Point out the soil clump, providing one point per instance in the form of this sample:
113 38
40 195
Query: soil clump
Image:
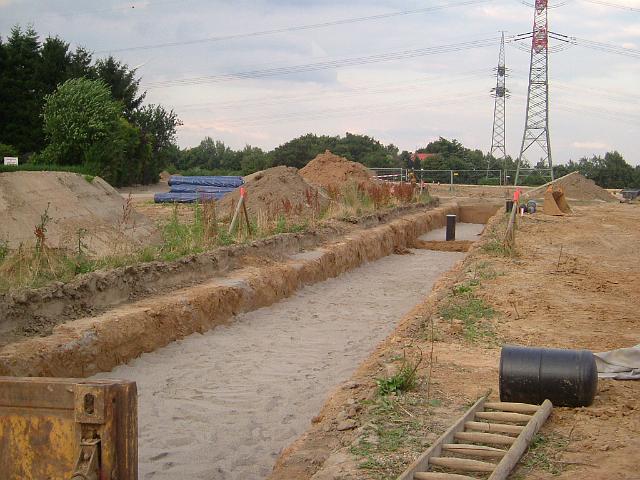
575 187
329 170
274 191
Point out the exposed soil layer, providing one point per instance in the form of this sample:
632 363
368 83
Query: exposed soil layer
31 312
277 190
264 376
329 170
579 298
73 203
98 343
575 187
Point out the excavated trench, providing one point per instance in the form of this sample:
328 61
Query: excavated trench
223 404
94 343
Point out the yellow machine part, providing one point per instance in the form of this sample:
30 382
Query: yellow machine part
45 423
555 203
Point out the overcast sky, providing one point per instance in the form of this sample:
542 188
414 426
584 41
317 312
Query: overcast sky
594 96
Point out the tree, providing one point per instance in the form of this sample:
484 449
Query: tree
78 115
122 82
53 68
21 102
80 64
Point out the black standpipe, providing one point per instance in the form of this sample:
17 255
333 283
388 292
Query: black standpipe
451 228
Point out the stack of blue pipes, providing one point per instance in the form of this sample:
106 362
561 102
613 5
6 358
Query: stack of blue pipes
190 189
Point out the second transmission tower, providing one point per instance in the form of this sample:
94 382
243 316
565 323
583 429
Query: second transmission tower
536 127
500 93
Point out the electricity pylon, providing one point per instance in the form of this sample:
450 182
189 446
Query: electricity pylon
500 93
536 127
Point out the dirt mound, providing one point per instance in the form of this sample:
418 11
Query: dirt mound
75 203
328 169
276 190
575 187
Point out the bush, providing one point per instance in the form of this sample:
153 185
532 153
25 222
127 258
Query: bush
489 181
7 151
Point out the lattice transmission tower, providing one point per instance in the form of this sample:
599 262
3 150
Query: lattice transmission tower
536 127
500 94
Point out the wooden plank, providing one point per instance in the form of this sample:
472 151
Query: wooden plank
512 407
485 438
471 449
441 476
493 427
512 457
462 464
504 417
422 462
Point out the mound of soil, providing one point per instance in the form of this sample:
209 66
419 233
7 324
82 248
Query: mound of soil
328 169
74 202
576 187
273 191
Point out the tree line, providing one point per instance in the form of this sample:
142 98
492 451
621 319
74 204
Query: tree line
61 107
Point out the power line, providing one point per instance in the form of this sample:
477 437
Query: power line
614 5
297 28
312 67
372 89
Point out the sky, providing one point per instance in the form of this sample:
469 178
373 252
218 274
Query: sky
387 76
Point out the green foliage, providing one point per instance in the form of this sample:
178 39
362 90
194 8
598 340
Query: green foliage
471 311
31 167
122 83
78 116
402 381
7 151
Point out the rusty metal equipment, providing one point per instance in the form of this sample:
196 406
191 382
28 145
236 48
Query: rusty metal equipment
555 203
68 429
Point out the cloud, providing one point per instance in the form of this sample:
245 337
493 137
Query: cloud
590 145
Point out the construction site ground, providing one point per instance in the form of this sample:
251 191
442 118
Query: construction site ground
572 283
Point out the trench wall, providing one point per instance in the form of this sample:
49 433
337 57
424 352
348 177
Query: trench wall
94 292
84 347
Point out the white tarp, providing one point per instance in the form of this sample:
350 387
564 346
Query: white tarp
620 364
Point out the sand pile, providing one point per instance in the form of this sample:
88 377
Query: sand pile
576 187
75 202
328 169
276 190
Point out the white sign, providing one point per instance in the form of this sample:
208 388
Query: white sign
11 160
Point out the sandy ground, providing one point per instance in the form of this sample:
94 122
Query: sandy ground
573 284
224 404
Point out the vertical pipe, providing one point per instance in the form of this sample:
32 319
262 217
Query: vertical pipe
451 181
451 228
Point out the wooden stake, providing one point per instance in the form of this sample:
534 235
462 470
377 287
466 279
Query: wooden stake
234 220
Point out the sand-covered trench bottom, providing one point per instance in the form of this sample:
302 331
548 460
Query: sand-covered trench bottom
223 404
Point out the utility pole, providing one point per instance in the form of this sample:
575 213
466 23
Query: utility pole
500 93
536 127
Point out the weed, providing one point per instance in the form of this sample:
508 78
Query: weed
543 454
403 381
495 246
89 178
4 249
403 192
40 230
471 311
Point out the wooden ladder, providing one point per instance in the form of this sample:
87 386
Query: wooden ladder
508 427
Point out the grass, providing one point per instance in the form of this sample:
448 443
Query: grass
473 312
394 430
403 381
542 455
35 266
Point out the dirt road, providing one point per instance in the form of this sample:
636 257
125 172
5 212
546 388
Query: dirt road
224 404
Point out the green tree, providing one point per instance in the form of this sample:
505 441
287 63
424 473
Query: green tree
122 82
53 68
21 101
77 116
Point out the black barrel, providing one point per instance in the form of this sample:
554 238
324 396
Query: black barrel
509 205
569 378
451 228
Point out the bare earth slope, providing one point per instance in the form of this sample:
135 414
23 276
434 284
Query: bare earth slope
74 202
328 169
